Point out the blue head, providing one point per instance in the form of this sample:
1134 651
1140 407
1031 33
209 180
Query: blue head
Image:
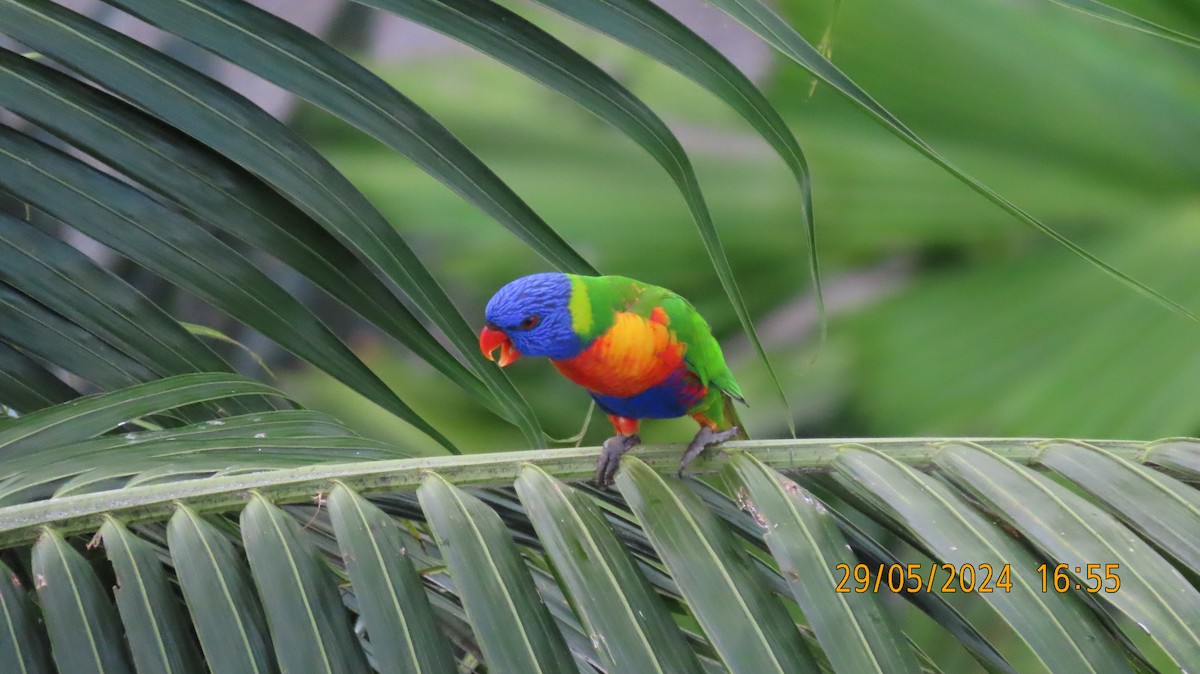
531 316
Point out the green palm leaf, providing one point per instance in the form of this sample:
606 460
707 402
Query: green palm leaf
63 280
23 647
155 625
85 632
311 630
291 58
613 599
26 385
707 561
85 418
853 628
514 627
44 334
218 194
1177 455
403 632
1053 627
179 250
245 134
776 32
748 627
1045 512
1113 15
1162 508
220 596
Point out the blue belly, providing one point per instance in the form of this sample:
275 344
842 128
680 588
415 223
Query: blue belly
672 398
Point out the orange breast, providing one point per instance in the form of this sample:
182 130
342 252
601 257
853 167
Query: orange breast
633 355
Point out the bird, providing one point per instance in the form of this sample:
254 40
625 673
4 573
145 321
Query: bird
640 350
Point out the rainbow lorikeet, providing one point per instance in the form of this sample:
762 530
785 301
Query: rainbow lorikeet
642 351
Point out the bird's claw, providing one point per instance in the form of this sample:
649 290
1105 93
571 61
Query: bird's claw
706 437
610 457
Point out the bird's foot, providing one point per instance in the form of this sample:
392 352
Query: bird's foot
706 437
610 457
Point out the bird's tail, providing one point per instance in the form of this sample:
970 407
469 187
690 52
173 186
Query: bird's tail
731 416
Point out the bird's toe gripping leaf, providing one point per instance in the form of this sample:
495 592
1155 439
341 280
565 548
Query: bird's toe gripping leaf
610 457
706 437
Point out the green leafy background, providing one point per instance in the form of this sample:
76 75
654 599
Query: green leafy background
986 327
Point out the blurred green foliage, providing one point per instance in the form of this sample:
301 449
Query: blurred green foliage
996 330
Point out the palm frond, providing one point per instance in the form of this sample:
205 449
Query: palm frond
764 572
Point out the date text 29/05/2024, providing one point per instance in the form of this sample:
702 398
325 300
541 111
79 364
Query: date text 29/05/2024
982 578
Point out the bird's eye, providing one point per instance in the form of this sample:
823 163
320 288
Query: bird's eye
530 322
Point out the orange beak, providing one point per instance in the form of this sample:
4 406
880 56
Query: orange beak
490 339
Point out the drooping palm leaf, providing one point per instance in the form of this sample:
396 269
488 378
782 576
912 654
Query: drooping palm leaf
779 34
375 554
1113 15
178 249
44 334
218 194
84 628
26 385
245 134
65 281
223 121
611 597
